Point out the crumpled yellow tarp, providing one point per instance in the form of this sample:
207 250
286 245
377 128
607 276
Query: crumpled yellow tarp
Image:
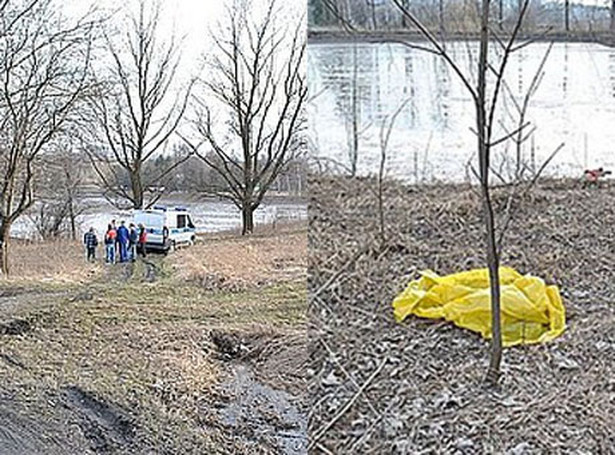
532 312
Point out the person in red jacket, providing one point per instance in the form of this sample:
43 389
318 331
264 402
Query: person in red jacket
142 240
592 176
110 239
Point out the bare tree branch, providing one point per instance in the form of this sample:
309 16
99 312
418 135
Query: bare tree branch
257 76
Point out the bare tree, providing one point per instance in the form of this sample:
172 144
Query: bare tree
61 178
138 111
353 115
257 76
486 98
44 70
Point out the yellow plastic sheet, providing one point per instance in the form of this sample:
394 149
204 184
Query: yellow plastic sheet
532 312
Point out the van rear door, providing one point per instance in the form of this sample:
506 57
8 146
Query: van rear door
154 224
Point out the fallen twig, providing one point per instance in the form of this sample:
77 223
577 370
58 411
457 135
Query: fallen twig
348 405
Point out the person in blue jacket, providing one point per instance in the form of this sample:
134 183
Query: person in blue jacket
123 238
133 238
91 242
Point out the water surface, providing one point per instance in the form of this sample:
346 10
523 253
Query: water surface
432 138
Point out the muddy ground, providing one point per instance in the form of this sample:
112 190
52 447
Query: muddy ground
377 386
138 358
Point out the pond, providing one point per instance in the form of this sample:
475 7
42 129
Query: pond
432 138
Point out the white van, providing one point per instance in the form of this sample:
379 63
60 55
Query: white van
166 228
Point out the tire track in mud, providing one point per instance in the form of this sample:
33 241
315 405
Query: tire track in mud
22 430
107 427
127 271
100 427
24 435
82 423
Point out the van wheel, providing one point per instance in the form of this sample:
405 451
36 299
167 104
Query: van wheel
192 240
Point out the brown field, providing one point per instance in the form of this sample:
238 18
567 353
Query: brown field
60 261
244 263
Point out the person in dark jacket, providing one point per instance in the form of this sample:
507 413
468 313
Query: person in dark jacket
110 239
133 239
123 238
142 240
117 241
91 242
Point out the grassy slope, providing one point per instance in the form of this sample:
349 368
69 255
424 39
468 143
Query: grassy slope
145 347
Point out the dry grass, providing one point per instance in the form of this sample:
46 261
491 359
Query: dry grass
240 263
429 396
146 349
263 230
60 261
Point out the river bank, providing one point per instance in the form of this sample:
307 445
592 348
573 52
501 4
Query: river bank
187 353
416 387
336 35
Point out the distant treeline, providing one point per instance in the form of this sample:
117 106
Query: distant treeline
459 16
193 175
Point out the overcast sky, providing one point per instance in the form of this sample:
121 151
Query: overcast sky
189 18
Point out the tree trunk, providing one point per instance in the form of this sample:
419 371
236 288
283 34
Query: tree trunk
484 156
71 215
247 219
404 19
354 145
4 247
493 262
137 189
612 25
374 19
567 15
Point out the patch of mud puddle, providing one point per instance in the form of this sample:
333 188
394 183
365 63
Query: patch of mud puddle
262 416
147 270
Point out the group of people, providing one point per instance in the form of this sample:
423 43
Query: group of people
122 244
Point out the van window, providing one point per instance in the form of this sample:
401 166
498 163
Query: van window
149 219
190 223
182 221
